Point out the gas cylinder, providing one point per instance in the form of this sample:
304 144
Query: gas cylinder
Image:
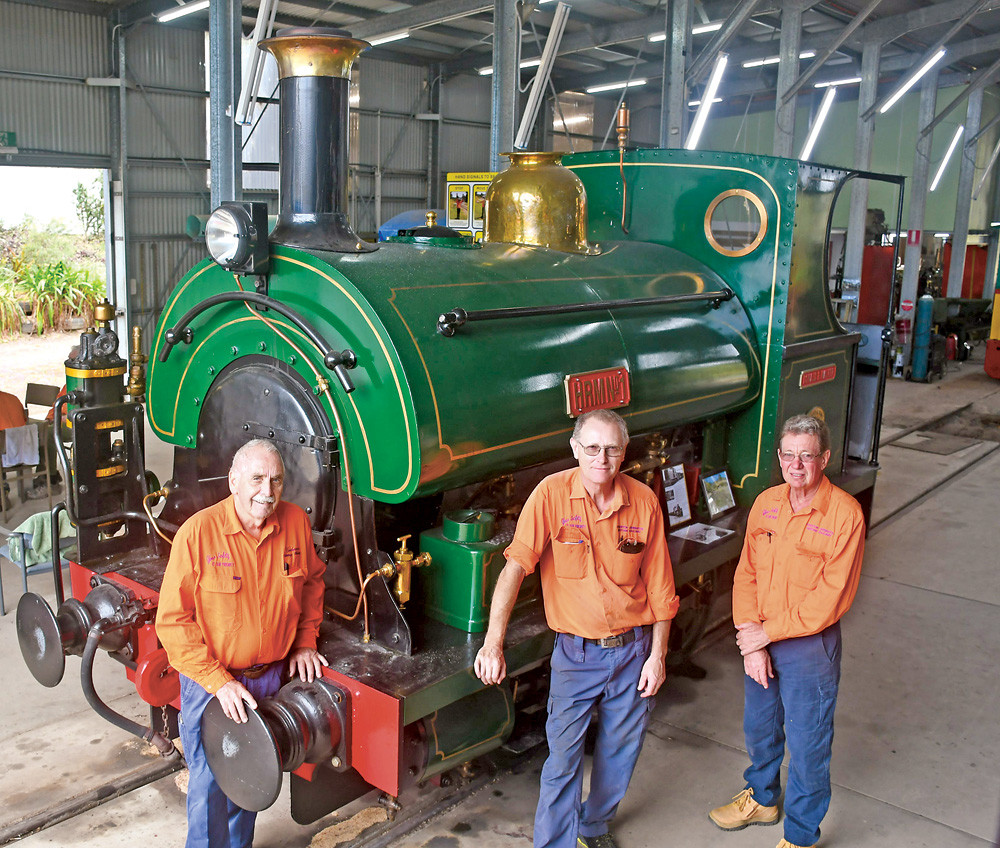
922 337
951 347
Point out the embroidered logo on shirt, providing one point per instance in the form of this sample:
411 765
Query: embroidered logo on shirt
770 513
817 529
574 521
220 560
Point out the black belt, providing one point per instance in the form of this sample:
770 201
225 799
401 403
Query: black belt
253 672
617 641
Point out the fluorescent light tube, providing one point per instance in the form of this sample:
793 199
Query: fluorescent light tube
846 81
181 11
385 39
701 116
701 29
614 86
947 156
824 108
911 80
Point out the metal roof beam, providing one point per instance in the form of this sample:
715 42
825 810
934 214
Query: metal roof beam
819 61
729 29
426 14
976 84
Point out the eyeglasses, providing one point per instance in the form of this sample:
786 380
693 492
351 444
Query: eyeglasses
804 456
610 450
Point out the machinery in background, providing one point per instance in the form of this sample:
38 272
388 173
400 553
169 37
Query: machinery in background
418 389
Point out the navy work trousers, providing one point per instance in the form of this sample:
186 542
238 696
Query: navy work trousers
797 707
213 820
585 677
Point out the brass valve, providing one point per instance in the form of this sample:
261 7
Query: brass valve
622 126
431 218
136 388
405 561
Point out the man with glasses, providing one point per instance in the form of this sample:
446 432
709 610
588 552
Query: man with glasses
798 574
598 541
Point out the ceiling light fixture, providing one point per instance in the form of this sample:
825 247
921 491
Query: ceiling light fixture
701 116
824 109
527 63
701 29
911 80
614 86
846 81
181 11
385 39
657 36
774 60
947 156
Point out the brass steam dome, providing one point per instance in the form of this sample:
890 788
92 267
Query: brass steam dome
540 203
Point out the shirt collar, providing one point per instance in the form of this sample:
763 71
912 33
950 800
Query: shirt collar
820 501
618 499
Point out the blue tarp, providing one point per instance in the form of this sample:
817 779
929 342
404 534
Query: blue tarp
407 221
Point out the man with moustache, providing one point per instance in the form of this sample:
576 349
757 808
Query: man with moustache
242 594
598 541
798 574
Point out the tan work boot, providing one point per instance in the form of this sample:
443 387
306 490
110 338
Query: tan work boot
742 812
786 844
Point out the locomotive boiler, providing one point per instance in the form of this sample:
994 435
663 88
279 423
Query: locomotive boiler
417 390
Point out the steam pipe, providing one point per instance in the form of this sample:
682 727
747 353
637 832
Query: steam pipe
94 635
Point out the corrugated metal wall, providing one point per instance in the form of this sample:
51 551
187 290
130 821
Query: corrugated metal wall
167 177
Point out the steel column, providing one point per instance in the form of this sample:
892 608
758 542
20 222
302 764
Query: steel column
864 137
115 245
788 70
673 92
918 196
506 56
963 199
224 22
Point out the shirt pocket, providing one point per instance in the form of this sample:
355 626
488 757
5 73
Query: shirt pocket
805 571
570 553
221 604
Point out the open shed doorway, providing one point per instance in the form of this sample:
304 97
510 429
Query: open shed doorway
52 268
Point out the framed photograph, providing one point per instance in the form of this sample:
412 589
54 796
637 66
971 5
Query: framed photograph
676 505
718 493
704 534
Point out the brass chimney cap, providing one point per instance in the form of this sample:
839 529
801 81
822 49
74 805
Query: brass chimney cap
314 51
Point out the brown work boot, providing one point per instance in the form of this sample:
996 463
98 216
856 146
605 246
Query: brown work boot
742 812
786 844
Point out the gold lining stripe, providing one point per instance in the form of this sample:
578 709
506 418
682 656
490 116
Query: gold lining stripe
94 373
109 425
110 471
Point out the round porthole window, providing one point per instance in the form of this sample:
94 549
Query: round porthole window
735 222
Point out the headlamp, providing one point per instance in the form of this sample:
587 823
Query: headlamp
236 237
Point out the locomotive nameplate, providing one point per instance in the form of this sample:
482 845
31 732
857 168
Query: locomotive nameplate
605 389
816 376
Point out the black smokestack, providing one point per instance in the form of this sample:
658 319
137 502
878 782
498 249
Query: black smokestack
314 66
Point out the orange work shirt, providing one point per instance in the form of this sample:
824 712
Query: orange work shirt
229 601
799 572
602 572
11 412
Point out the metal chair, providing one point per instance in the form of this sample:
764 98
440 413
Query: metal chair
17 549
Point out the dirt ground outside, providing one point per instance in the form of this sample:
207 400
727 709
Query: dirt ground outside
34 359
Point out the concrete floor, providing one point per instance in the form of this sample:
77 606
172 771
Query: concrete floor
917 743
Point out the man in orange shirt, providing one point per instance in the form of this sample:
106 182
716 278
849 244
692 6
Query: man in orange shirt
242 593
798 574
11 411
597 538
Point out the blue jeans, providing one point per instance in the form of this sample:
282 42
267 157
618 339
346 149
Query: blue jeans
798 707
584 677
213 820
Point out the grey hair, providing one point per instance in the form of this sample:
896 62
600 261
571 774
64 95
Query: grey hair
605 416
807 425
240 457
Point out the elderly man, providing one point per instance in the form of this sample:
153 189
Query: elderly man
798 574
243 593
607 584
